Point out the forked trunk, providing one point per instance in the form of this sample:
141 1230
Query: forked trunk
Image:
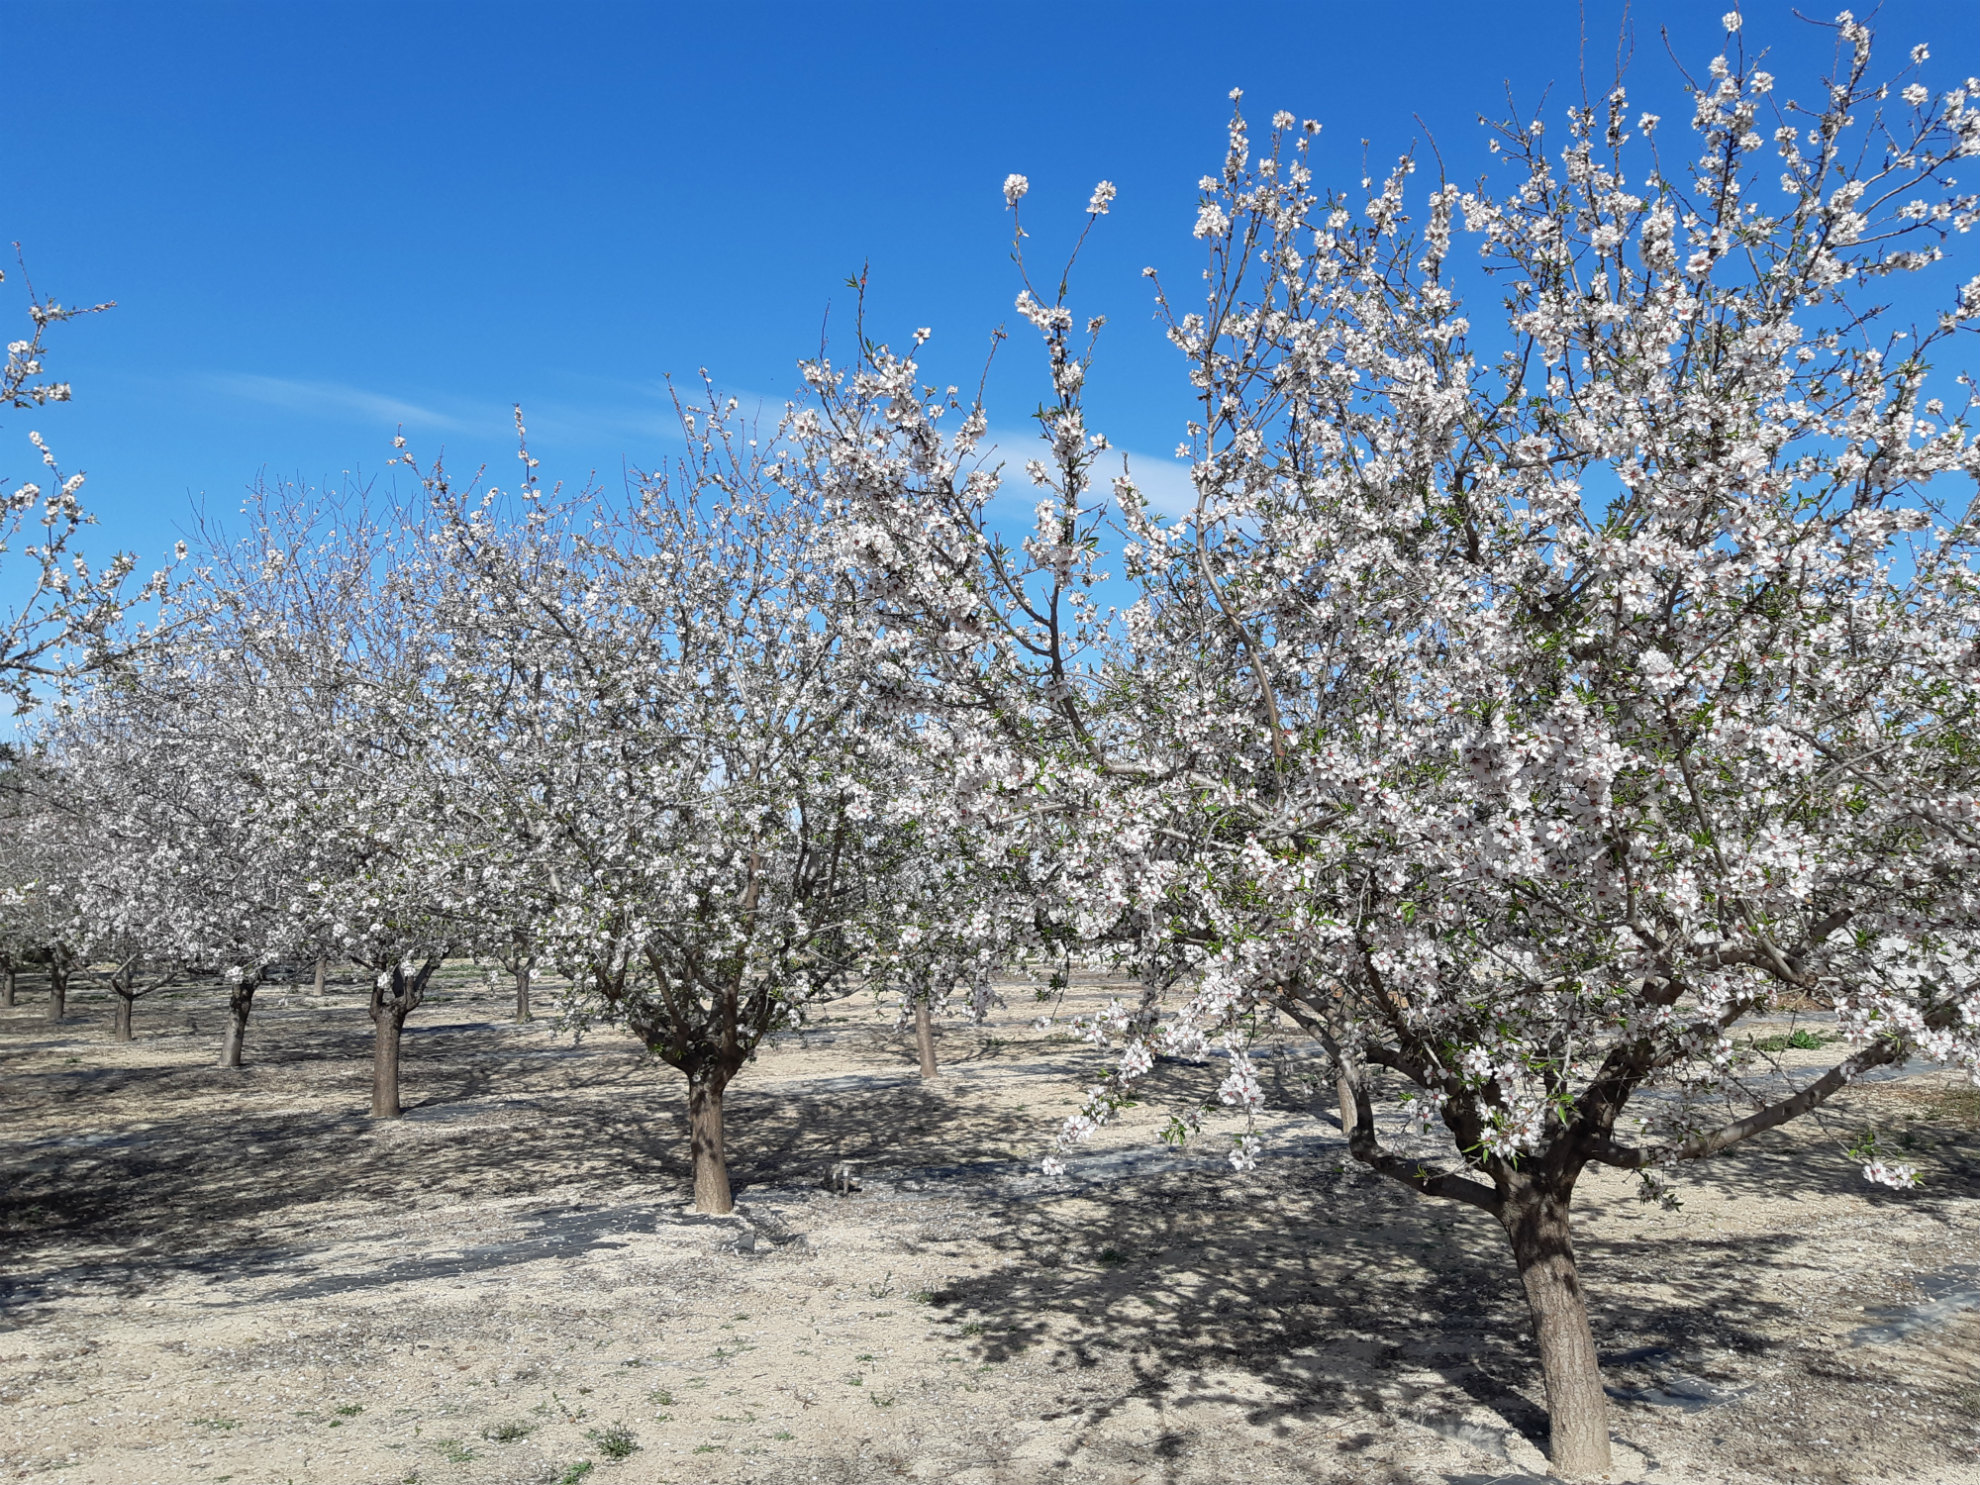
238 1005
322 969
121 1025
711 1163
522 992
385 1064
1577 1410
924 1036
58 992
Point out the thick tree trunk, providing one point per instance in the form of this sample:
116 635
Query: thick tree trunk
7 990
711 1163
1577 1410
121 1025
58 992
238 1006
391 1025
322 969
1349 1118
924 1036
522 992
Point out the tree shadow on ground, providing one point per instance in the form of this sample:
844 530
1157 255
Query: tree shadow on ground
123 1175
1305 1293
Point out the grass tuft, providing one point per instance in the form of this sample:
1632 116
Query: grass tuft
615 1441
1799 1040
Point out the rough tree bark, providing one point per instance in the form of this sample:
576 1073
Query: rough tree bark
1345 1089
7 990
240 1001
322 971
58 991
924 1036
1535 1217
120 1026
395 995
522 992
1531 1202
385 1065
711 1163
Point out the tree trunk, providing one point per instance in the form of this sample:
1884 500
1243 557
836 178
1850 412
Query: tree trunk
238 1006
7 991
522 992
322 968
711 1163
391 1023
1577 1410
924 1036
1349 1118
121 1026
58 992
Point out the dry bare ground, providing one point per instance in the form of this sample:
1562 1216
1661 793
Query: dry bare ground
210 1276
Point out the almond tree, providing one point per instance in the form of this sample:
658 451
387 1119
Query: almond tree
184 867
60 603
1517 717
956 882
327 615
667 711
38 923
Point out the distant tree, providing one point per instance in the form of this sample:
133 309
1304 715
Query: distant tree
38 923
326 618
185 866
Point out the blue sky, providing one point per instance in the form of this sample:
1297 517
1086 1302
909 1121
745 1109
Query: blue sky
323 221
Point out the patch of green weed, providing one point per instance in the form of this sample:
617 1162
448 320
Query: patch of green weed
615 1441
1799 1040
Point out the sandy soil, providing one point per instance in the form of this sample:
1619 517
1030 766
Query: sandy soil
210 1276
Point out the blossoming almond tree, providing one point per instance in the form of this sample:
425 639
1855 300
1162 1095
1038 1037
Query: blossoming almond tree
59 603
329 614
184 867
669 716
1517 713
38 923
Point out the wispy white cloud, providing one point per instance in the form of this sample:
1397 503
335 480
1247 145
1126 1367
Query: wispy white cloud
1165 481
337 400
630 417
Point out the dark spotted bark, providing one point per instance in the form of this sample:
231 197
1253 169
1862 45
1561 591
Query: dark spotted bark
1536 1219
395 995
924 1037
385 1067
711 1161
240 1002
